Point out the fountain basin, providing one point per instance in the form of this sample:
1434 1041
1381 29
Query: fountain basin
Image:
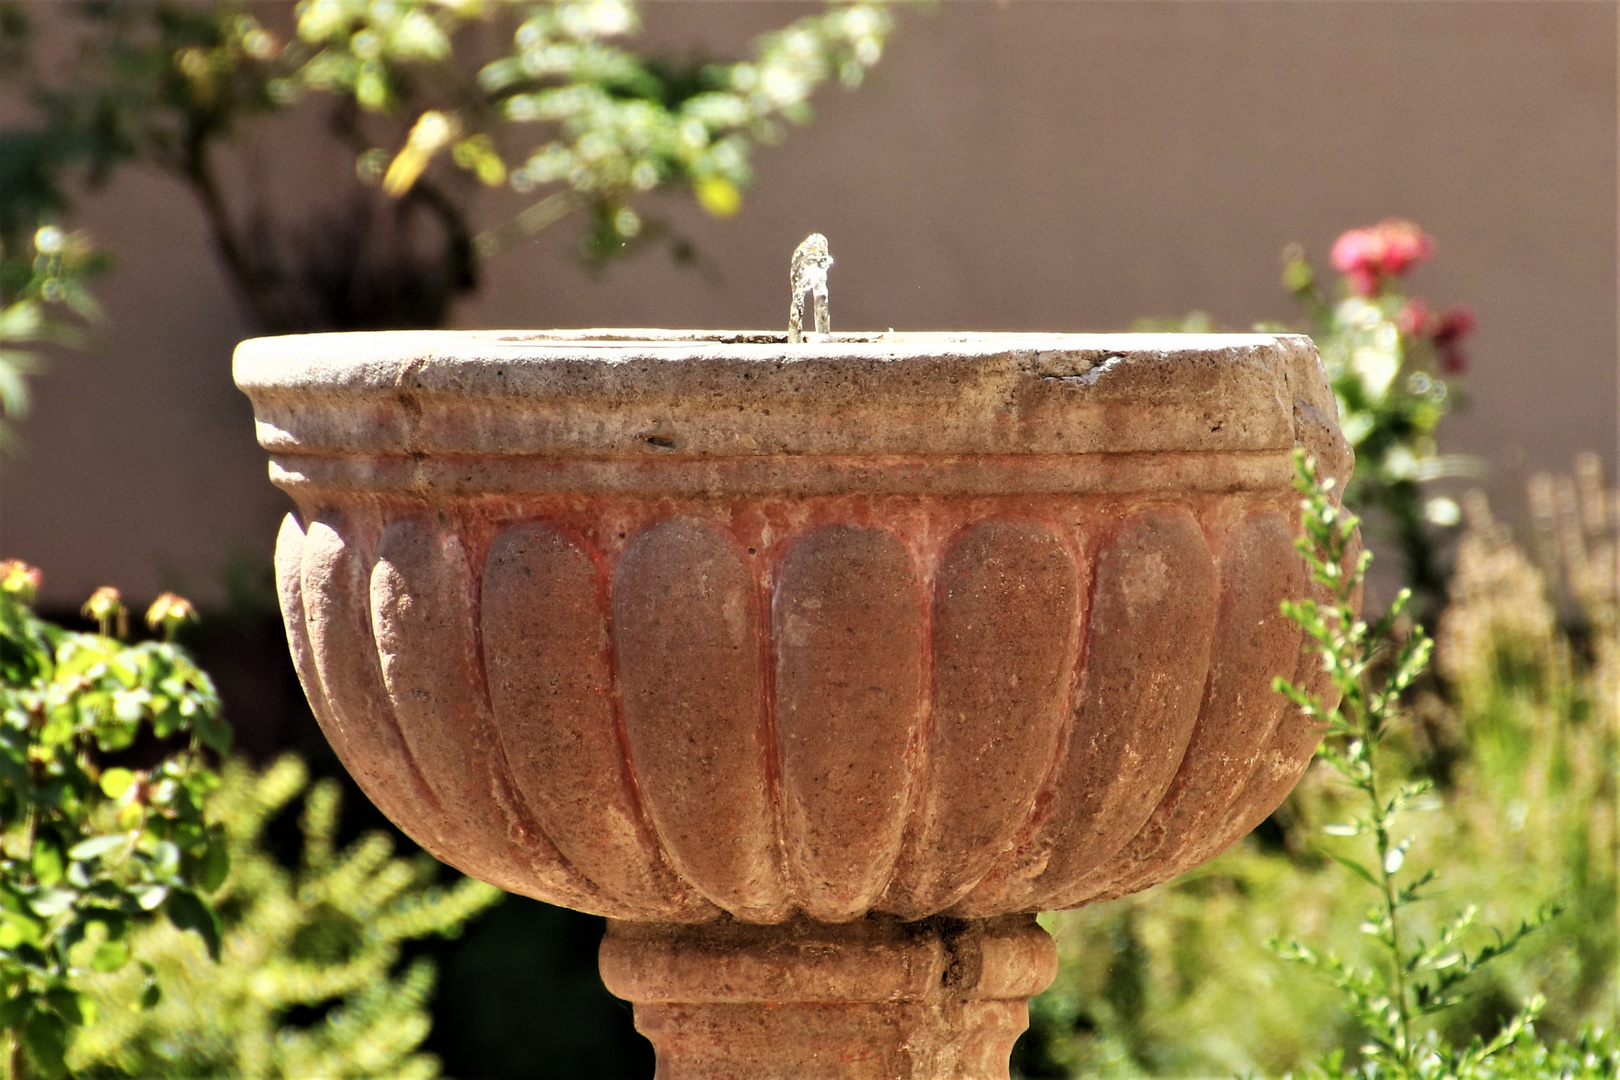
908 634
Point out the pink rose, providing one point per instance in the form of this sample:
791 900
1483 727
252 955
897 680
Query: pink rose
1388 249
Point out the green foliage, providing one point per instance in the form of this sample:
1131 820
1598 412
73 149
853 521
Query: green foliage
614 124
567 115
311 981
1417 978
89 853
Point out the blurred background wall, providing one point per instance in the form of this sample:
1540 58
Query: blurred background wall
1023 165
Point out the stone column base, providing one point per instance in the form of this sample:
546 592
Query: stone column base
876 999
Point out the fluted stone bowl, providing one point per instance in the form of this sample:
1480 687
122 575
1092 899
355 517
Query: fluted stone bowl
687 627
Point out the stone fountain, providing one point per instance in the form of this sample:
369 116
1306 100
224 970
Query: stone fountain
818 668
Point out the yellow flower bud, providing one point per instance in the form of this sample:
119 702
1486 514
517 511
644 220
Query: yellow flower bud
168 613
19 581
106 606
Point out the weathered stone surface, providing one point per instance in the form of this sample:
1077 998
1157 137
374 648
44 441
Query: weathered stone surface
848 630
691 670
591 393
323 576
877 999
1006 626
421 607
549 663
1146 655
1253 641
817 669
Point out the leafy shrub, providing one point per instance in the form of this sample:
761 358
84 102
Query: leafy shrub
89 853
311 981
1412 979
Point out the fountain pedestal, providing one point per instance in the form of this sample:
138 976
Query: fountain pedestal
818 668
873 999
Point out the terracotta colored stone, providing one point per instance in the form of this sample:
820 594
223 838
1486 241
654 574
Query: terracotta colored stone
1146 657
421 609
817 668
692 676
1006 623
876 999
549 664
1253 640
848 630
324 584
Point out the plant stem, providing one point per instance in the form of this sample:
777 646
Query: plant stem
1392 914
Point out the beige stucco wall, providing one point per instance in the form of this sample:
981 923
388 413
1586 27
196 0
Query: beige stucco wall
1022 165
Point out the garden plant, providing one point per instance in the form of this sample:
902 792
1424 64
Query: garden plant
565 114
91 850
1417 978
313 978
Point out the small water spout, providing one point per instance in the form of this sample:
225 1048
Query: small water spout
809 275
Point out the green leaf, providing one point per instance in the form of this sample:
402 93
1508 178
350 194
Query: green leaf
97 846
45 1042
19 928
188 911
216 860
47 861
214 733
150 897
1355 868
110 956
167 722
51 902
114 782
151 994
15 1010
66 1004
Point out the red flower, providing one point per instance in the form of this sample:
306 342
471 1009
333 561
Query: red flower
1416 318
1455 325
1388 249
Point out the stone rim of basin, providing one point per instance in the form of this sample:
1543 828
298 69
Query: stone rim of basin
735 395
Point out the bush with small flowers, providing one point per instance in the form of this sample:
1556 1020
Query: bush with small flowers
89 849
1393 362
